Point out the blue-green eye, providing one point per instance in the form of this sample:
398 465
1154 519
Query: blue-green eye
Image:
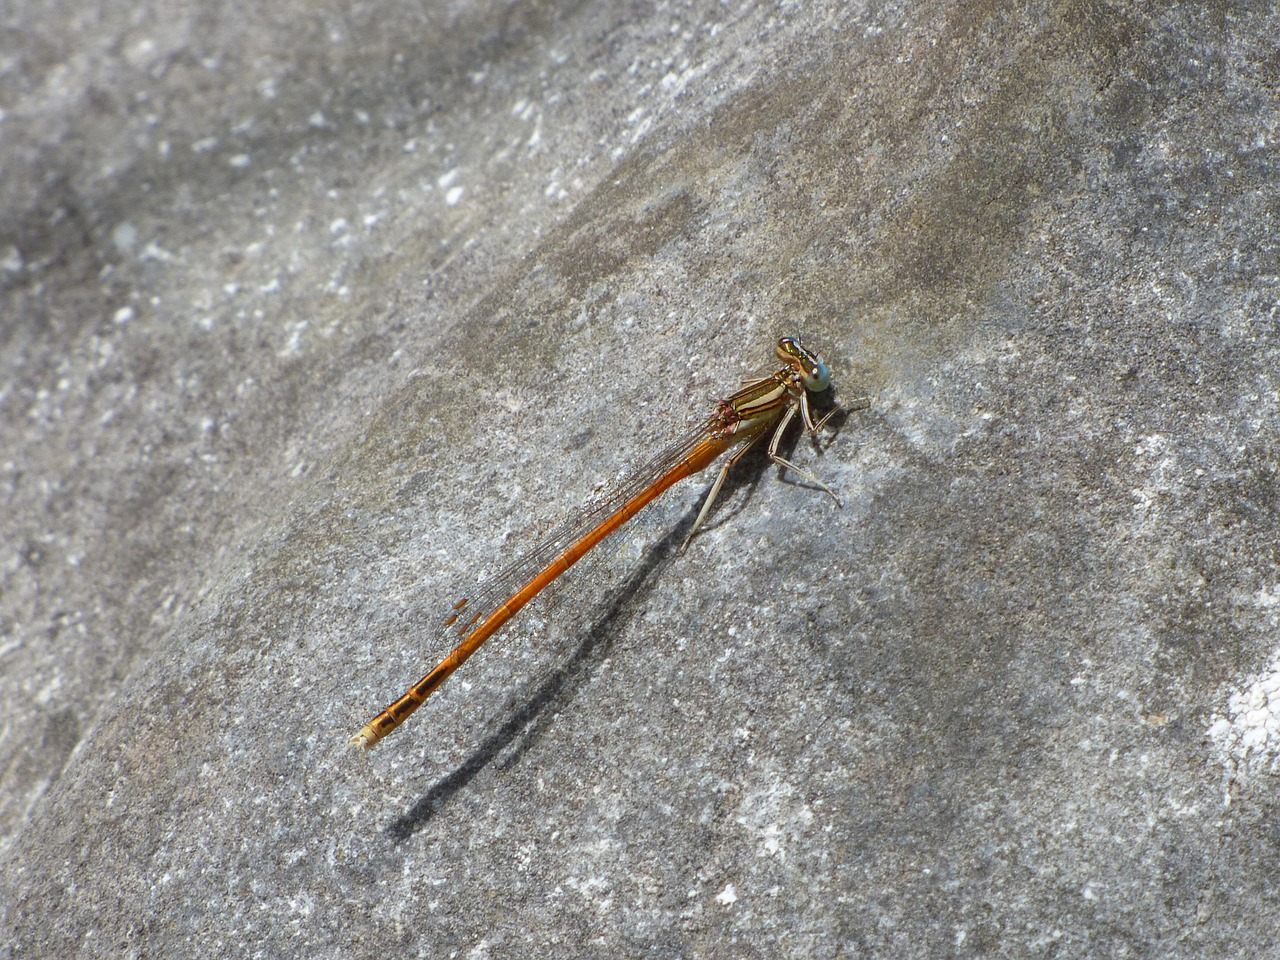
818 378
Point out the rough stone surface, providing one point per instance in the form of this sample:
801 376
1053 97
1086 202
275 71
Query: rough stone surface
310 311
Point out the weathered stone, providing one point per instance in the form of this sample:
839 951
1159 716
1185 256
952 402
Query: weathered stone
311 311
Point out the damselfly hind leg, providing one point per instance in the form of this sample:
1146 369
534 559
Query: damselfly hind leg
715 491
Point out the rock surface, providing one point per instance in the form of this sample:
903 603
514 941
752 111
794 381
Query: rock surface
311 311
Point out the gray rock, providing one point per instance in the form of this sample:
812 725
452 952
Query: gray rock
311 312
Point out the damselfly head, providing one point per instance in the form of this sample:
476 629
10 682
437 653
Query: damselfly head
813 372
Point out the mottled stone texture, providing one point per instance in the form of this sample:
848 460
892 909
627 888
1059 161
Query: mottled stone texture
310 312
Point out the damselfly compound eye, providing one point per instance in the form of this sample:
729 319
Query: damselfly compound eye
818 378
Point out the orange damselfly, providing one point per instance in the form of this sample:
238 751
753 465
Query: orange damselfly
739 421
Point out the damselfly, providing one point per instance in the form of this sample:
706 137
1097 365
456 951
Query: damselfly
740 421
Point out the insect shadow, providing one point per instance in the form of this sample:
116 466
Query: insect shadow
525 727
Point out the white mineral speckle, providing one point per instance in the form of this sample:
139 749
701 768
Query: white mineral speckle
124 237
1246 731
